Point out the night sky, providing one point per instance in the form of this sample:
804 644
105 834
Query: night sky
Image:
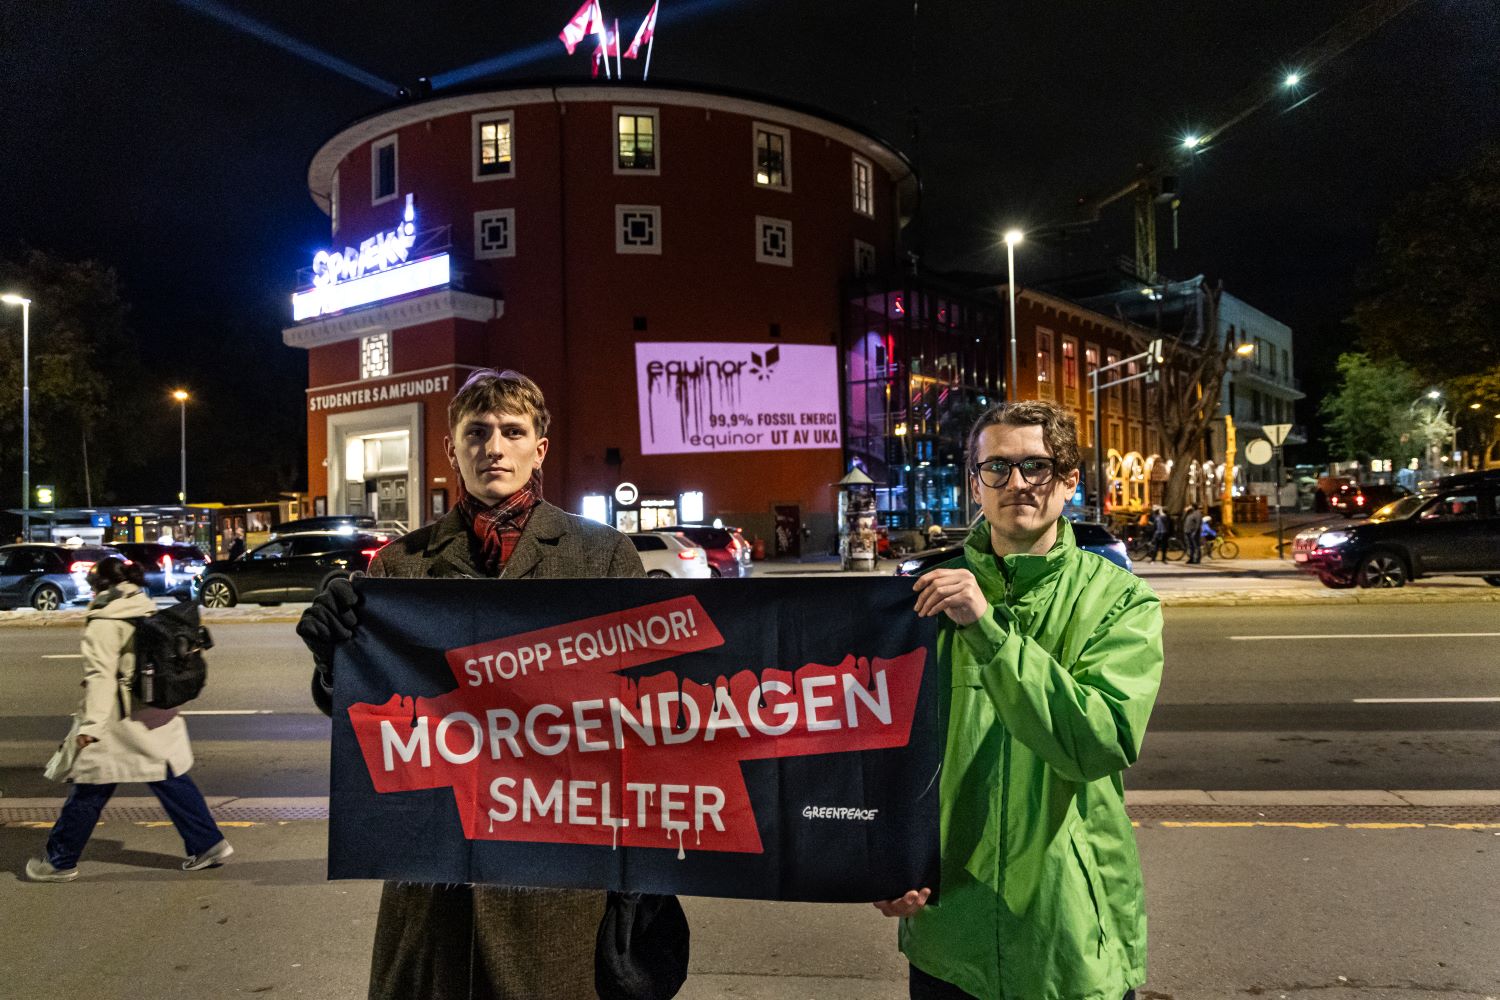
156 138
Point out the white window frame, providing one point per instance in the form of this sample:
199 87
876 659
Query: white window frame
392 141
475 122
856 162
620 245
761 258
364 342
1049 376
510 251
614 140
756 128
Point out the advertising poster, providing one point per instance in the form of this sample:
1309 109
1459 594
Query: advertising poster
767 739
702 397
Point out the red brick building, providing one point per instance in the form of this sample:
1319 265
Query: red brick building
666 263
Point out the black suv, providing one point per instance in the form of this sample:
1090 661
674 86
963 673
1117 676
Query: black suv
1454 528
45 576
288 568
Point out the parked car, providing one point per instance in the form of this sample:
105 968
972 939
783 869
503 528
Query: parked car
170 569
1453 529
670 553
728 552
293 567
1356 500
1090 535
46 576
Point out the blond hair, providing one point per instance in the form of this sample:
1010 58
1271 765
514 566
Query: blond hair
491 391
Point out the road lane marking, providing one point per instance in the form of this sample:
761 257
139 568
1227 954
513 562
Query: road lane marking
1420 701
228 711
1369 635
62 656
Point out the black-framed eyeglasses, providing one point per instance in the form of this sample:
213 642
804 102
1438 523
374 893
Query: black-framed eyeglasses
1034 471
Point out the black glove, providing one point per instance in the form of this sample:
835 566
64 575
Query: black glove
641 948
330 620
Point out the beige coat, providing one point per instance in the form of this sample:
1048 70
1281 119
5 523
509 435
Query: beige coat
135 748
461 942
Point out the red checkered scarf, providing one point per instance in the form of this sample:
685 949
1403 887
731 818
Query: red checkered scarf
498 527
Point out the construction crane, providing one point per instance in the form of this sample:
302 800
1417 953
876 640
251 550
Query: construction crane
1157 184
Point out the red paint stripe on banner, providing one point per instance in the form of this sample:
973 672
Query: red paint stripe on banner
603 644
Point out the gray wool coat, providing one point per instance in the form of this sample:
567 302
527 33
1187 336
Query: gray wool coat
462 942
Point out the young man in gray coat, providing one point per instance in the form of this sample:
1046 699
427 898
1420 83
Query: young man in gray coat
446 942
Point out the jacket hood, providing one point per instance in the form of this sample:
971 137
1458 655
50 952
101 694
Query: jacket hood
124 600
1019 571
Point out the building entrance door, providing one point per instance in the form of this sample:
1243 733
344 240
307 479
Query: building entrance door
391 494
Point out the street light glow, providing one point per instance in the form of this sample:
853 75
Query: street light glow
1292 79
1192 141
1434 394
1245 350
1013 236
179 395
12 299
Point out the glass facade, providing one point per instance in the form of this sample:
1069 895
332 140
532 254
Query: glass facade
920 364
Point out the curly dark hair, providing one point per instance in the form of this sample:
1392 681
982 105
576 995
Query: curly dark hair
1059 429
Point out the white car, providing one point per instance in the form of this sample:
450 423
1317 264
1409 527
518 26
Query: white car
668 553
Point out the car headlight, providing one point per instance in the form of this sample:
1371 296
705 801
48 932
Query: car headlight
1332 539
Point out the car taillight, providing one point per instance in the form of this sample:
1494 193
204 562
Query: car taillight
166 564
688 554
368 553
80 568
1360 499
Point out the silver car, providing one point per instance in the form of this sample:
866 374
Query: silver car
670 554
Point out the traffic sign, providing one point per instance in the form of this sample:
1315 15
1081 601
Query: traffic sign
1276 433
1258 452
626 494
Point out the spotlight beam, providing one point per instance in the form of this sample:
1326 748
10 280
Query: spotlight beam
234 19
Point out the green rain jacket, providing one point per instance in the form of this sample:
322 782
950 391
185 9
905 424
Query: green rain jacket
1049 692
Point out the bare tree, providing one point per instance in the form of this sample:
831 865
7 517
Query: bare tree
1185 399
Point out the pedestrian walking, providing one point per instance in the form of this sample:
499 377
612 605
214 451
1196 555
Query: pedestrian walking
1192 533
236 545
1055 657
1161 533
444 942
116 742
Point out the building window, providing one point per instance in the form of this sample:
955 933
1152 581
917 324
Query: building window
494 146
375 355
864 258
864 186
495 234
773 157
773 241
1133 369
1044 364
1286 364
1090 366
383 179
1110 359
333 204
638 229
1070 370
635 141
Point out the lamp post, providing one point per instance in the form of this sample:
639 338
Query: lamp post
182 397
1012 237
12 299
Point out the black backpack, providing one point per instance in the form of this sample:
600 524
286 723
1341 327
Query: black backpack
169 666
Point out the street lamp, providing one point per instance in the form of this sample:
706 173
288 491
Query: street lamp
12 299
182 397
1012 237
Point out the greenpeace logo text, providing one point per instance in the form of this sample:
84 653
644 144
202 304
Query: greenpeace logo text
839 812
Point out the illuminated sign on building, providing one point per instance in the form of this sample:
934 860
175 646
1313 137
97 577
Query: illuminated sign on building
380 268
699 397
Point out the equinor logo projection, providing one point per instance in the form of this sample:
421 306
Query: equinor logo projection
692 727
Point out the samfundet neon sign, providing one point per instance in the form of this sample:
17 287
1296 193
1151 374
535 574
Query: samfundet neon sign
380 268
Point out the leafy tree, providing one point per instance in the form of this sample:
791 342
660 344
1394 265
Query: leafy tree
1433 296
84 378
1380 411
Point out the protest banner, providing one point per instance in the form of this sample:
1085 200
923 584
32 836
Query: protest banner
770 739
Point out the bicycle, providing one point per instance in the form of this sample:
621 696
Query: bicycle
1220 547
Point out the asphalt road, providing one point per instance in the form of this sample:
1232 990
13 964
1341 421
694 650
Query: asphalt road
1275 698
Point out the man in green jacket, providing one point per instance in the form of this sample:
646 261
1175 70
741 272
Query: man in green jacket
1054 658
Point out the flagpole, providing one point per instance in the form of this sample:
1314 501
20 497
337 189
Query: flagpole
649 43
619 66
603 38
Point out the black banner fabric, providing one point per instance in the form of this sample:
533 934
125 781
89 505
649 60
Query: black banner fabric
765 739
